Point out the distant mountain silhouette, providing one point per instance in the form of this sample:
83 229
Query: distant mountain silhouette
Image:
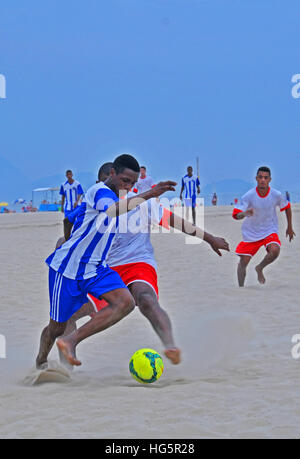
13 184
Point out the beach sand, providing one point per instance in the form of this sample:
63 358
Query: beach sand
237 378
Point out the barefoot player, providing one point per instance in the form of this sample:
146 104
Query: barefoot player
260 227
79 266
132 257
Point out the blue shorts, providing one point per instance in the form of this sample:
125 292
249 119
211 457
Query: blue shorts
68 212
68 295
190 202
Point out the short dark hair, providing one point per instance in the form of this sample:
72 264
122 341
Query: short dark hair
126 162
69 170
104 169
143 167
264 169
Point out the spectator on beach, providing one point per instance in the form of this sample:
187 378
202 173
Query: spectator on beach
214 199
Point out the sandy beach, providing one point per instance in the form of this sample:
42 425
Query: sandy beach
237 378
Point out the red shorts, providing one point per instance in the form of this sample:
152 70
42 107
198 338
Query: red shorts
132 272
251 248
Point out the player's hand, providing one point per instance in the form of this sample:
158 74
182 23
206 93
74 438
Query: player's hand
249 213
219 243
162 187
290 234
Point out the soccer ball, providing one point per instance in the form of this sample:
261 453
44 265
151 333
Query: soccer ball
146 366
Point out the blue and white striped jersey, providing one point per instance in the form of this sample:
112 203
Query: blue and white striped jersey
70 191
91 239
190 185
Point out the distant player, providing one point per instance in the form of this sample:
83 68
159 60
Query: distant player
144 183
71 192
190 187
260 228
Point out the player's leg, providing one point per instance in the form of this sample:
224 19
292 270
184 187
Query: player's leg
49 335
242 269
61 308
87 310
147 301
273 251
194 214
120 304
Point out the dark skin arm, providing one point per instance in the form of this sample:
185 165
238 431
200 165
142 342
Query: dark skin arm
62 203
181 191
125 205
67 228
216 243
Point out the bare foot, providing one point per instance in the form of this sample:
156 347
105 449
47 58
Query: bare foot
173 354
261 277
64 361
68 351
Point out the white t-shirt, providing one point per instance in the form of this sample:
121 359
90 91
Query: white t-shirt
264 220
144 184
132 243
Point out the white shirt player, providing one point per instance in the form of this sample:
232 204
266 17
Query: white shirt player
144 184
132 243
264 221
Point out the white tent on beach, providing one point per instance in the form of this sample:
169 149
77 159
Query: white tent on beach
48 194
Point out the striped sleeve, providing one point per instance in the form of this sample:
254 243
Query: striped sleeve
104 198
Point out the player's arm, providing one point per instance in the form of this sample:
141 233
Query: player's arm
62 203
62 193
289 232
216 243
125 205
67 228
77 202
241 215
79 195
181 191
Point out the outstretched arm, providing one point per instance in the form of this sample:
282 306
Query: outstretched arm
125 205
216 243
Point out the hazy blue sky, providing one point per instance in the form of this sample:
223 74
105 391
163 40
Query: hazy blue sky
165 80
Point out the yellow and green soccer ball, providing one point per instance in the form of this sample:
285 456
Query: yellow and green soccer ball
146 366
